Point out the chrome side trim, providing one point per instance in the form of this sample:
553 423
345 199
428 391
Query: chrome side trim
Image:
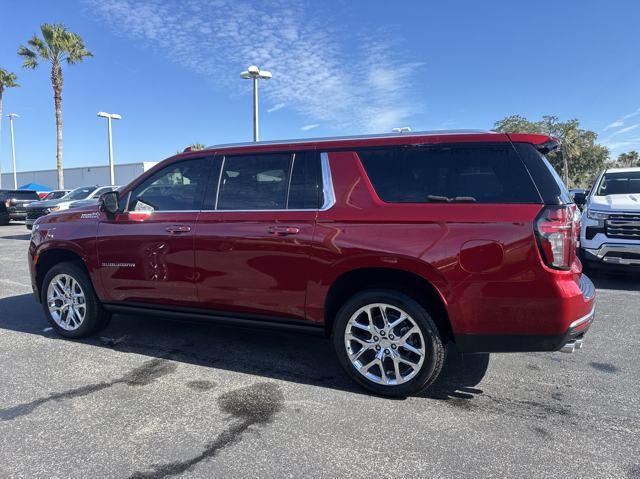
298 141
327 183
583 319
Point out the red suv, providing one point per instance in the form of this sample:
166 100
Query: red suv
394 245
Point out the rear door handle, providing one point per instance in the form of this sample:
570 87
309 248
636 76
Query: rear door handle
174 229
283 230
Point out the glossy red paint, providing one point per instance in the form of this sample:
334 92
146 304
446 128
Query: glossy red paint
482 259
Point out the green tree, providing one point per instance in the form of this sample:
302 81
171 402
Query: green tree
57 45
580 158
7 80
628 160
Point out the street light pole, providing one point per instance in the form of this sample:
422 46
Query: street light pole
109 117
13 149
255 74
255 109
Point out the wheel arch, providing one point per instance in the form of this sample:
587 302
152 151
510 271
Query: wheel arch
55 255
414 285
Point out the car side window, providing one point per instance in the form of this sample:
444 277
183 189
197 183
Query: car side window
471 173
177 187
254 182
305 189
103 190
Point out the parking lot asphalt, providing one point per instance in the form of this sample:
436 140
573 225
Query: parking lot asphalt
149 398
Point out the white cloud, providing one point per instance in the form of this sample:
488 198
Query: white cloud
628 128
310 127
615 124
348 81
276 107
620 121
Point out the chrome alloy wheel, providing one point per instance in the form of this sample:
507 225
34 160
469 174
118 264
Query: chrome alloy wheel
384 344
66 302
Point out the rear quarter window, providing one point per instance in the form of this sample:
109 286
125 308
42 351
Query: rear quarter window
469 173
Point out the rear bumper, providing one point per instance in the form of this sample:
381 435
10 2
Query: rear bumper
510 343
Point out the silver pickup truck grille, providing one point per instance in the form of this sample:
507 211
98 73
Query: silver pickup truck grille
623 226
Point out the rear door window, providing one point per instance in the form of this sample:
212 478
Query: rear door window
254 182
467 173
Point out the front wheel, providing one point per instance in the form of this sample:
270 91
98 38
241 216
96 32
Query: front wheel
388 343
70 303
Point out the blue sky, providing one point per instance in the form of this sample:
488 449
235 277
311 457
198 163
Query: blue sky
171 69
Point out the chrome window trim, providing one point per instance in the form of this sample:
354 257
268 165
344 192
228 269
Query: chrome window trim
224 159
292 163
327 183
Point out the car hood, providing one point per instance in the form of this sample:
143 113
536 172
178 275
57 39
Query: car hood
47 203
626 202
83 203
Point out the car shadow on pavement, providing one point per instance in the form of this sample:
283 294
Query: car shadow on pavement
616 280
300 358
26 237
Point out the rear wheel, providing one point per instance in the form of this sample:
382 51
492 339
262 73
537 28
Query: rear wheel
388 343
70 303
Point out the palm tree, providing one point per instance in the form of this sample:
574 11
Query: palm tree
56 46
7 80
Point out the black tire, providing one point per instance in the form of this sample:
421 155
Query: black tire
434 348
96 317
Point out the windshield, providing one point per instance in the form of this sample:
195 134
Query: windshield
79 193
619 184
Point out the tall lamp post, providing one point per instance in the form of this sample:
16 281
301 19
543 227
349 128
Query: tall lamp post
255 74
109 117
11 116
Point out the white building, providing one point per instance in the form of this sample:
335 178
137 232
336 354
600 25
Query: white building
81 176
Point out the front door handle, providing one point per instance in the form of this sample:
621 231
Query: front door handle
283 230
174 229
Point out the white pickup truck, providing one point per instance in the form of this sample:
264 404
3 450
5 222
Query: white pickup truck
610 227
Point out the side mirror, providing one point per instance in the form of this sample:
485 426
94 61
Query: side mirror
580 198
110 202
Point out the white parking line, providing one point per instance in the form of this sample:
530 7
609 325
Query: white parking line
10 281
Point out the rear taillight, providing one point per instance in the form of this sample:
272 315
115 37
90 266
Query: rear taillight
556 233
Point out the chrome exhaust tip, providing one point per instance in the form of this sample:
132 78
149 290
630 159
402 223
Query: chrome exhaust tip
569 347
579 343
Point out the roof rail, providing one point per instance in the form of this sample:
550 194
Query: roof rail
355 137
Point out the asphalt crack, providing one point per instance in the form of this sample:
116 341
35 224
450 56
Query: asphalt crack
253 405
145 374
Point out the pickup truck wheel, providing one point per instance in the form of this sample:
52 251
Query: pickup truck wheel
70 303
388 343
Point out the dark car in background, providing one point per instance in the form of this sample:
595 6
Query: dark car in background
13 204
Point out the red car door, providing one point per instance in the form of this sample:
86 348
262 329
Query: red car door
253 247
145 254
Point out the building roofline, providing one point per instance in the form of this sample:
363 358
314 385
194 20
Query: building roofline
298 141
81 167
